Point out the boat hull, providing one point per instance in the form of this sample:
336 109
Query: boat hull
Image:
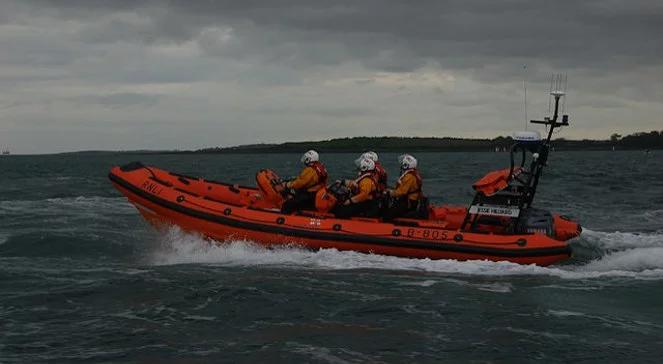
160 198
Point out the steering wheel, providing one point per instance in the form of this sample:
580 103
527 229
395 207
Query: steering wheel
518 177
279 186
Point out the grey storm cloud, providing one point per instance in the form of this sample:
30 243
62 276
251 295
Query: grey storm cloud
393 35
370 67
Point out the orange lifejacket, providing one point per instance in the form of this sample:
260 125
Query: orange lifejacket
416 194
321 171
374 178
381 176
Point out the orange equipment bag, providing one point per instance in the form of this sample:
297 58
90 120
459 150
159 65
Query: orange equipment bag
271 187
328 197
495 181
325 200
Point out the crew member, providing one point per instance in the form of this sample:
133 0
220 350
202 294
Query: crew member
312 178
364 200
407 195
380 172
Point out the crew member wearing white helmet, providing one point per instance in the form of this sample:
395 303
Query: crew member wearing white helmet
380 172
365 198
312 178
407 193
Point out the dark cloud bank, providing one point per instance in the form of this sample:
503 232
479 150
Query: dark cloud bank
186 74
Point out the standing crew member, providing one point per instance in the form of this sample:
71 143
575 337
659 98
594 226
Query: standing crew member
365 198
380 172
407 193
312 178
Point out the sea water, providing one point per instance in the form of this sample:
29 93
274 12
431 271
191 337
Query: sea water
84 278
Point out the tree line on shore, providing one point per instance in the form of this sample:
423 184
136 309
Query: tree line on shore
636 141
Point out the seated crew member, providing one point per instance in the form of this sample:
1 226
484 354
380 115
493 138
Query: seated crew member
407 193
380 172
312 178
365 197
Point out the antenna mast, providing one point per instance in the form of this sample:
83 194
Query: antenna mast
556 93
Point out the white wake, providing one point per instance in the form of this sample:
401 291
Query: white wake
641 258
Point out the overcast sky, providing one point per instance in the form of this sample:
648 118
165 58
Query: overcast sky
86 74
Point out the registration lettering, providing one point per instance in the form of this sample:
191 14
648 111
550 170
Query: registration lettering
490 210
430 234
152 187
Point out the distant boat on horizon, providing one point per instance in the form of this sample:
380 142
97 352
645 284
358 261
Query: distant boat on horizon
5 151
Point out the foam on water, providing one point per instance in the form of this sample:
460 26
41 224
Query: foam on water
619 240
636 262
637 259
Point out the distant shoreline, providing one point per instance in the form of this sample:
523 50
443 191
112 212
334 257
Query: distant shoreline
638 141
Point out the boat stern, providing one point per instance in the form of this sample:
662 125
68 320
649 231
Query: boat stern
565 228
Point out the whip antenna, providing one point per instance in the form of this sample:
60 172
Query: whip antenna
552 78
525 89
566 79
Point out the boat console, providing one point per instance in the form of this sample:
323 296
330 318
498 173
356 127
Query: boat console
503 199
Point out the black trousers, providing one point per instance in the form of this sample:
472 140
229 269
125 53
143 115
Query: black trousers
302 200
370 208
402 208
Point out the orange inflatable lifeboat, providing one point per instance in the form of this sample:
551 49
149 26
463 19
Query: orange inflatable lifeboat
224 211
499 225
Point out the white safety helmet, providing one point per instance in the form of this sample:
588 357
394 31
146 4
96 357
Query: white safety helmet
407 162
365 165
310 157
368 155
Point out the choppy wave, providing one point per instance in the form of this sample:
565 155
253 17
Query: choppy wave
95 203
67 226
641 258
71 214
653 216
